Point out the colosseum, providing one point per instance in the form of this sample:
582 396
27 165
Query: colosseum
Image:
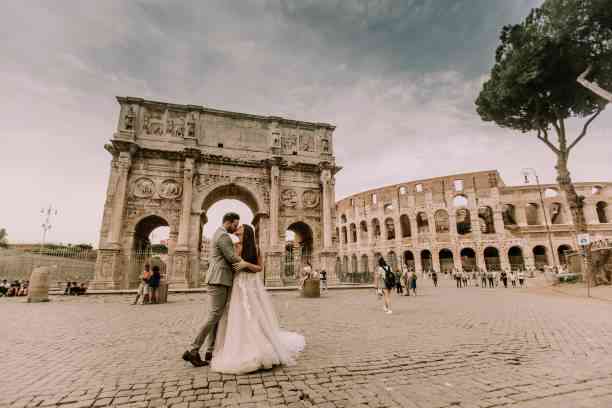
464 221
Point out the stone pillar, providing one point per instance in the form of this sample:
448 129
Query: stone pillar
452 222
119 198
327 212
418 267
498 222
276 251
503 258
274 204
480 260
183 237
521 215
435 259
181 261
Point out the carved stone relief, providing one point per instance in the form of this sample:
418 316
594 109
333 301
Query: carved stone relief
128 121
175 125
143 188
289 198
310 198
170 189
289 144
153 123
307 142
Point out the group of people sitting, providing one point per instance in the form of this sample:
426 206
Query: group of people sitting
74 289
309 273
15 288
148 289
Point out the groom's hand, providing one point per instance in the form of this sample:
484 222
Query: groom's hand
239 266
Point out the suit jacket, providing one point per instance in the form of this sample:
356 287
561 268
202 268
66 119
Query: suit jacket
222 257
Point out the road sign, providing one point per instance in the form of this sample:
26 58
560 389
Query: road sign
583 239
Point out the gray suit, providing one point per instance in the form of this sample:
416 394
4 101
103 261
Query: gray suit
219 278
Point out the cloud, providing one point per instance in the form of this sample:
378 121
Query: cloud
398 78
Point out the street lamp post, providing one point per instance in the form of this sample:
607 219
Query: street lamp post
46 225
526 172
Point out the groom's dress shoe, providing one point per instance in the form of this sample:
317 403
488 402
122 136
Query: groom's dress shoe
194 358
208 357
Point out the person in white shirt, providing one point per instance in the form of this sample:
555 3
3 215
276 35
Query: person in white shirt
521 278
513 278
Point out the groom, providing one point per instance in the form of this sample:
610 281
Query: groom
219 279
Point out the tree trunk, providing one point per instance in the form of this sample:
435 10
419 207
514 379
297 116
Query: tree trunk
576 205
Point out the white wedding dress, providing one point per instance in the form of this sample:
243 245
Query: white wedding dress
249 337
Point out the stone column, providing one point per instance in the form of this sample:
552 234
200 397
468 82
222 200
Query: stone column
124 162
274 204
183 237
498 222
521 215
181 260
435 259
328 254
327 220
275 250
452 222
418 267
480 260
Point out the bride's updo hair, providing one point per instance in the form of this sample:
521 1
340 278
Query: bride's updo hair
249 249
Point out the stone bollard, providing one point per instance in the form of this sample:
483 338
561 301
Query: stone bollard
38 290
312 288
162 292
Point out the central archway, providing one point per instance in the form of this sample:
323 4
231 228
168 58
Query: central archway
219 200
298 251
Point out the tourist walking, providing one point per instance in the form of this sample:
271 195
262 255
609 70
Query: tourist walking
434 277
521 278
386 281
457 276
465 278
406 281
504 278
413 283
143 288
154 281
323 280
513 278
483 278
490 277
398 282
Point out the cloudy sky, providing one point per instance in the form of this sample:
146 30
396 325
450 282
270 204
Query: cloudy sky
397 77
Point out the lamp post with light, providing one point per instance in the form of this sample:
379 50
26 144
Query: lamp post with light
526 172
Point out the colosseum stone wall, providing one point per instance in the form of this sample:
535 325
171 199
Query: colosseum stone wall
464 221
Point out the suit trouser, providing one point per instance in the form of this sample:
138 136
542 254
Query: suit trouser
217 295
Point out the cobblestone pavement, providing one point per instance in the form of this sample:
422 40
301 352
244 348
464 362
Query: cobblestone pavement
446 347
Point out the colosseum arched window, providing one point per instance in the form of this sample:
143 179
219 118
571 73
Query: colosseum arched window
441 221
390 228
343 218
353 229
409 260
556 213
344 235
422 223
515 257
468 259
405 226
462 215
363 231
376 228
602 212
509 215
485 216
426 263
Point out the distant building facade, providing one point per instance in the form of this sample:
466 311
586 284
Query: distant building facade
463 222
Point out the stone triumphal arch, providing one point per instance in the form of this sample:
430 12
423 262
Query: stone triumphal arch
171 163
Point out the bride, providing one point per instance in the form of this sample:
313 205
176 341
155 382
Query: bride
248 336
